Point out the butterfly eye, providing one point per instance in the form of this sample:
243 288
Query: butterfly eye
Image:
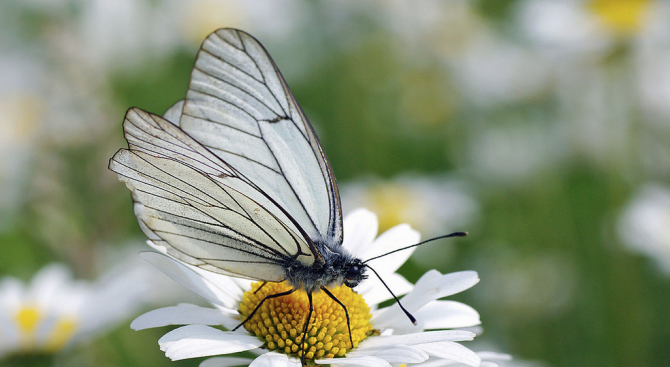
353 272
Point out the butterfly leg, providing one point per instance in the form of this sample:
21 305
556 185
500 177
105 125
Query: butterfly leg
259 288
305 328
346 313
261 303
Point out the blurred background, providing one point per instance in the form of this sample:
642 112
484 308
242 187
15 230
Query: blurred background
542 127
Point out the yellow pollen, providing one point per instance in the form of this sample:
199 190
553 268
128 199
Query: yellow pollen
280 321
624 17
27 318
61 334
393 202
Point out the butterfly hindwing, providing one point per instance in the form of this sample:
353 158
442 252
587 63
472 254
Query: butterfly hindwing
190 201
240 108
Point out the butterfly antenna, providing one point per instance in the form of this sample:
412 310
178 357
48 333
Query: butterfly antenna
409 315
455 234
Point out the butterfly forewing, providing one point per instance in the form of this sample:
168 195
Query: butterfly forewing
193 203
241 109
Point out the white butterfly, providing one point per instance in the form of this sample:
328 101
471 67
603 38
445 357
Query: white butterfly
234 180
239 179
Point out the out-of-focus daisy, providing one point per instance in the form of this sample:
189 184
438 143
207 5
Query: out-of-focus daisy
608 59
380 337
492 71
527 287
266 18
644 224
515 154
55 311
22 108
582 27
652 55
435 205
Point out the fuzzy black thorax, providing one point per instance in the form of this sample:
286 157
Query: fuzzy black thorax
338 267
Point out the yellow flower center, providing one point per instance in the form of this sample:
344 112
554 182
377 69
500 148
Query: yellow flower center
61 334
624 17
280 321
29 319
396 204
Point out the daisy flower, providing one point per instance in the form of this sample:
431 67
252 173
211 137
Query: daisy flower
433 204
381 336
582 27
55 311
644 224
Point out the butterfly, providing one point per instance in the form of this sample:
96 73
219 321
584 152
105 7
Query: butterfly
233 178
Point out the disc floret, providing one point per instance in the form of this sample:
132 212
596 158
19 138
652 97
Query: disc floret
280 321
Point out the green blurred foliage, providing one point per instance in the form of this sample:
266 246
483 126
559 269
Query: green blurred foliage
379 113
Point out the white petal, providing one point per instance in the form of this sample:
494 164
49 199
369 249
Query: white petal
417 338
395 238
190 279
360 229
274 359
200 341
12 293
225 362
452 351
48 284
442 315
374 292
180 315
234 287
11 333
494 356
393 354
367 361
430 287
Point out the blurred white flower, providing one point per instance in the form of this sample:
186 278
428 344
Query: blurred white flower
644 224
526 286
577 28
492 71
560 27
434 205
264 18
383 337
39 107
608 64
113 34
22 110
515 154
651 57
55 311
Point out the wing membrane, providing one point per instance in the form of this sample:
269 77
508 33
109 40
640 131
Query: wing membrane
197 206
241 109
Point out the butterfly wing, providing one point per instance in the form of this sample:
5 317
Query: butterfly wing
197 206
240 108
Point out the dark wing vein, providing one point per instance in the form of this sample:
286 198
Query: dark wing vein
184 220
222 205
242 156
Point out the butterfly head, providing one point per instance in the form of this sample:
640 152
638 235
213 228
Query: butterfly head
355 273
